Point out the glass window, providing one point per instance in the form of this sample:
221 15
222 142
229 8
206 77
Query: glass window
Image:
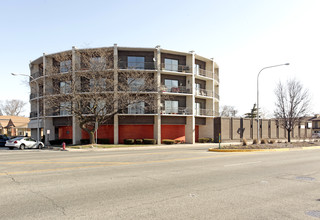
65 66
170 64
135 84
171 107
196 69
96 84
170 84
197 88
65 87
136 108
136 63
65 108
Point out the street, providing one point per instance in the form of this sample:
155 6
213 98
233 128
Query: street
159 183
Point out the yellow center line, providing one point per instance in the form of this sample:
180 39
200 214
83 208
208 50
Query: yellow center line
104 164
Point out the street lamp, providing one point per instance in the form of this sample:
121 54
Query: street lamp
31 77
258 127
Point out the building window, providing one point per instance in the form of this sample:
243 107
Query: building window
65 87
96 84
197 108
171 65
136 108
171 107
136 84
65 66
171 84
65 108
97 63
100 109
198 88
136 63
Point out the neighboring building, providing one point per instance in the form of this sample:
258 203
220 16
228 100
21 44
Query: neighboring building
14 126
315 123
191 81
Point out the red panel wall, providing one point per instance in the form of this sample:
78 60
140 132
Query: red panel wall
175 132
197 133
65 132
135 132
104 132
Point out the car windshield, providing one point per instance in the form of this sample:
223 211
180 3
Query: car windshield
17 138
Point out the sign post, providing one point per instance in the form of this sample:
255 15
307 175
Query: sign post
219 139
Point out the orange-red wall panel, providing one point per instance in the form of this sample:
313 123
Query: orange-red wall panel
174 132
135 132
65 132
197 133
104 132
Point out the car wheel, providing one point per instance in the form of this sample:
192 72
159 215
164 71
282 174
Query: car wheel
40 146
22 146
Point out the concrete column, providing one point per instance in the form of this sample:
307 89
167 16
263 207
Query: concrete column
45 127
157 118
48 122
76 130
190 126
115 86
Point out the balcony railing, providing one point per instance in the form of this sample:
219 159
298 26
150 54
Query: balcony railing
176 111
202 72
35 114
36 74
136 65
204 92
176 68
204 112
217 96
138 110
179 89
216 77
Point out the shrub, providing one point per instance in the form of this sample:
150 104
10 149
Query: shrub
271 141
203 140
254 141
263 141
85 141
168 141
177 141
211 140
103 141
139 141
244 142
149 141
128 141
279 141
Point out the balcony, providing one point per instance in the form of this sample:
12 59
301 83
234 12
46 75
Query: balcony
217 96
176 111
204 112
36 74
35 114
176 68
216 77
138 110
179 89
204 92
202 72
136 65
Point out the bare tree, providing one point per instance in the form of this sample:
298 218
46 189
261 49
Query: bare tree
98 91
228 111
12 107
292 104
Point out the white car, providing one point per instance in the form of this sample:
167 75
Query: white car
23 142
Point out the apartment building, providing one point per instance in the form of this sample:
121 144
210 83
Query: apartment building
186 95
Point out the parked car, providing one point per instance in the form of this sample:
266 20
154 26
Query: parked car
3 140
23 142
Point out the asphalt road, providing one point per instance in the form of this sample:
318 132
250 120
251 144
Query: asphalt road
164 183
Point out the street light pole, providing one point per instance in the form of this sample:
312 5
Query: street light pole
31 77
258 126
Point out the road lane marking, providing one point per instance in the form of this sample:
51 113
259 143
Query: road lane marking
240 164
104 164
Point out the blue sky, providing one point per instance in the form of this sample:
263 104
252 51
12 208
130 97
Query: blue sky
242 36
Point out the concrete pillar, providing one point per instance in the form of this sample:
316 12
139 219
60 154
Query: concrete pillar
48 126
190 126
115 87
157 121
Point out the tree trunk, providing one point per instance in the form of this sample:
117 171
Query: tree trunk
92 139
289 138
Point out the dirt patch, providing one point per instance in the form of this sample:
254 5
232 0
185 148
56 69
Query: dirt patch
273 146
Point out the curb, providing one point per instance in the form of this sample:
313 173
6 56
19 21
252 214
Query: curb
257 150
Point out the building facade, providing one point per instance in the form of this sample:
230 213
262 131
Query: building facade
189 82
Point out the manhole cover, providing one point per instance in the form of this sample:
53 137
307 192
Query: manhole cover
305 178
313 213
